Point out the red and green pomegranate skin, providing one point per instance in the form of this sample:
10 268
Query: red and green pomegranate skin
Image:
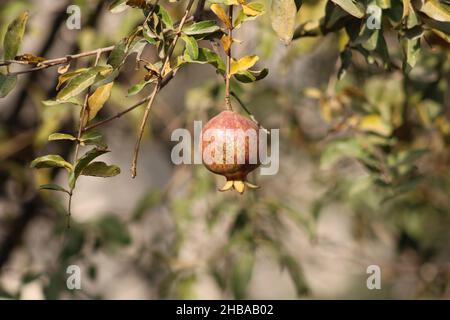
235 173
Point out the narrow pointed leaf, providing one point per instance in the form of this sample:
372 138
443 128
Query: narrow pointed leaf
100 169
14 35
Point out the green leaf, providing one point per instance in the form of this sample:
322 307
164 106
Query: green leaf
61 136
164 16
82 163
51 161
139 87
93 138
68 76
7 84
81 82
411 51
191 46
14 35
207 56
118 55
53 187
100 169
283 18
248 76
352 7
202 27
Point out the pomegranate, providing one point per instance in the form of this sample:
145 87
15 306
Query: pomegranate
230 147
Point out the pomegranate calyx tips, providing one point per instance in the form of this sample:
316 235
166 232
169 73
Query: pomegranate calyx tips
238 185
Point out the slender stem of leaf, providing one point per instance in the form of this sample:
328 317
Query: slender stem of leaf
157 88
228 53
248 112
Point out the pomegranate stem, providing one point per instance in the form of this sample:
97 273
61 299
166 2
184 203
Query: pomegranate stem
228 53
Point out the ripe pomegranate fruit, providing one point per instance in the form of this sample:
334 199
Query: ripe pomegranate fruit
230 147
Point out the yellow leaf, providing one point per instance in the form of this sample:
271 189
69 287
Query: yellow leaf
226 43
243 64
220 13
313 93
250 11
97 100
374 123
67 76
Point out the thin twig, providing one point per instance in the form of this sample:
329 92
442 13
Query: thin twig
228 53
55 62
157 88
77 147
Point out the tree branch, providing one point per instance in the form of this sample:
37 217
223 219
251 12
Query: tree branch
151 98
55 62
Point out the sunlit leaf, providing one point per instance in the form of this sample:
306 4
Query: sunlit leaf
374 123
98 99
61 136
191 46
243 64
435 9
221 14
67 76
80 82
352 7
51 161
253 9
202 27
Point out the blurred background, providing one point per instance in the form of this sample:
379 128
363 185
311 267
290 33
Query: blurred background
364 173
